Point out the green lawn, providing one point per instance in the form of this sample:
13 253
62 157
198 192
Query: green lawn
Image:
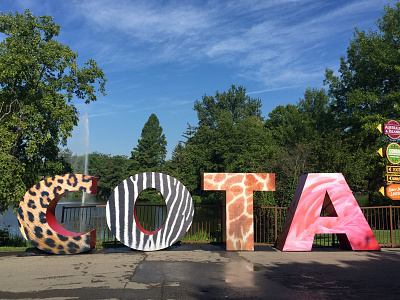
383 236
9 249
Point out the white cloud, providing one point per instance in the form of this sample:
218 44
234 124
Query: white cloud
147 21
272 42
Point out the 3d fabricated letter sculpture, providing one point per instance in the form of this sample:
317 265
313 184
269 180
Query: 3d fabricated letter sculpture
36 215
314 192
121 218
346 220
239 189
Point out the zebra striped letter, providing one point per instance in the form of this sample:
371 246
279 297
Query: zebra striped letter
121 219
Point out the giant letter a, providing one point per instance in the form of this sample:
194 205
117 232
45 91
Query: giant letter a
345 219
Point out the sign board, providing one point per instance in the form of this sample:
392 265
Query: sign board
393 178
393 191
392 129
393 153
38 224
392 169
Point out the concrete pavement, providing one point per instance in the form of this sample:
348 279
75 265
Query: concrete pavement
202 272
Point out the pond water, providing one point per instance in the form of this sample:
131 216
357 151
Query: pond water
8 220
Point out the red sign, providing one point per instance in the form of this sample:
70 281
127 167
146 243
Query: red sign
392 129
393 191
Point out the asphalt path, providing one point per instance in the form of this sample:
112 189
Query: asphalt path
201 272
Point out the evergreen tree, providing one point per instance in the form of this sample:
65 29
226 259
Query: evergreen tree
150 153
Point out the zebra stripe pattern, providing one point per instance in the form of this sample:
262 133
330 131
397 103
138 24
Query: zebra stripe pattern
120 211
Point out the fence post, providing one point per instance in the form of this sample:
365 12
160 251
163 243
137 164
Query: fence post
62 216
276 223
391 226
223 222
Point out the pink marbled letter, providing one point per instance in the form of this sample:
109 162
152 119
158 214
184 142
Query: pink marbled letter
345 219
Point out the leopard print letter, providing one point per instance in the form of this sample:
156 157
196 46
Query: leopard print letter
36 215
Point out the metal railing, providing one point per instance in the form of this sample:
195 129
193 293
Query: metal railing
207 225
86 218
385 224
268 224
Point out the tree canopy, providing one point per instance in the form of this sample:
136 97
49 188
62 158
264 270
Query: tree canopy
234 104
150 153
366 92
330 130
229 137
39 78
327 130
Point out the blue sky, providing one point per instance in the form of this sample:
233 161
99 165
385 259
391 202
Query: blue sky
161 56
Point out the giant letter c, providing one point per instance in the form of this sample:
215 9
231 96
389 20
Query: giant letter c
36 215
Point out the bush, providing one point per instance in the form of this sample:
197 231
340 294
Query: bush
4 237
7 240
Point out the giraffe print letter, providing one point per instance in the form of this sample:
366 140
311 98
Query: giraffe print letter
239 189
345 218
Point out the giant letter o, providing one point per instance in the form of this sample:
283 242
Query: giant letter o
121 204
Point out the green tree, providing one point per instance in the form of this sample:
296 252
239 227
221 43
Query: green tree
312 142
109 170
367 91
235 104
297 128
68 156
149 154
312 116
230 137
39 77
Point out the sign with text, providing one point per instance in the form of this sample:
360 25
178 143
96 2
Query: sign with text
392 129
393 153
392 169
36 213
393 191
393 178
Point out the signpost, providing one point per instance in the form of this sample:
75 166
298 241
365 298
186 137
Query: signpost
392 130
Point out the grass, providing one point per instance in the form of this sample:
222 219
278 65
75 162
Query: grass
383 236
10 242
362 200
200 236
13 249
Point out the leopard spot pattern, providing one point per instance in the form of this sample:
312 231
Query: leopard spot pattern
37 221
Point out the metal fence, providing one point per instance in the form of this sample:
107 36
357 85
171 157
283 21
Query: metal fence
268 224
86 218
385 224
207 225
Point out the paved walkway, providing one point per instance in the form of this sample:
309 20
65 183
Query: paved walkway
202 272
